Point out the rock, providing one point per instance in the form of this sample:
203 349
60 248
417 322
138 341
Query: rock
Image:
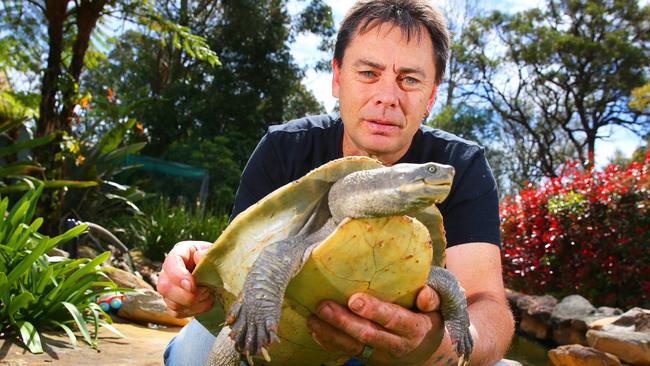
601 323
535 314
147 306
56 252
578 355
636 319
572 306
607 311
125 279
630 347
570 317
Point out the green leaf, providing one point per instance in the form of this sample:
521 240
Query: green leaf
114 137
30 336
69 183
112 329
81 323
68 331
20 168
20 302
120 153
27 144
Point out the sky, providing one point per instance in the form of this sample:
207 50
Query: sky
306 54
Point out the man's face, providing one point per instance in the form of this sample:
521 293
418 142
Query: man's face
385 86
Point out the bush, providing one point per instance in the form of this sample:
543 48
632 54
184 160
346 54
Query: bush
38 291
163 224
584 232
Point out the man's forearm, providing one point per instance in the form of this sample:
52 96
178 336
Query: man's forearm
492 327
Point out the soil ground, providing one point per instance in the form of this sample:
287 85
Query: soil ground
142 346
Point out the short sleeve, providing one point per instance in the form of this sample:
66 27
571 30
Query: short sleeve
260 177
471 214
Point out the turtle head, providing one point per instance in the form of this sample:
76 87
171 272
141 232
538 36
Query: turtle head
428 182
395 190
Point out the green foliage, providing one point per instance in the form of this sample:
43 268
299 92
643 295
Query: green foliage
164 224
641 97
212 155
212 117
100 162
38 291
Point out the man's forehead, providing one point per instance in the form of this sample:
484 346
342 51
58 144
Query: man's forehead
415 33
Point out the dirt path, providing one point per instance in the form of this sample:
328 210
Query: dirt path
142 346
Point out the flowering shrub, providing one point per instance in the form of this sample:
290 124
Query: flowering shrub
584 232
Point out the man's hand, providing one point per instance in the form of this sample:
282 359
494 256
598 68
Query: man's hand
396 334
176 283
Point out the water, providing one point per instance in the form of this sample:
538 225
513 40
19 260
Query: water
528 351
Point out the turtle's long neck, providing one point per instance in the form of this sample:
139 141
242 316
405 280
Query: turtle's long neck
366 194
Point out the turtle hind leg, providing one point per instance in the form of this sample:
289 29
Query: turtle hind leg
223 352
453 307
255 315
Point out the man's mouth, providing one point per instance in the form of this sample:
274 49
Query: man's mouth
382 126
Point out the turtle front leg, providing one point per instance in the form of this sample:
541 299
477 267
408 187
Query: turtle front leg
453 307
254 317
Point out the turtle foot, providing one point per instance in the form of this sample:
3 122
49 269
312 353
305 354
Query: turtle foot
462 343
251 330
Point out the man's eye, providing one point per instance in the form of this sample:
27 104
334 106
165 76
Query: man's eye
367 74
410 81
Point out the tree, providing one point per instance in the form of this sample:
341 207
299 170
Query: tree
557 76
62 29
213 117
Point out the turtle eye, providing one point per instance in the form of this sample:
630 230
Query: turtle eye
431 169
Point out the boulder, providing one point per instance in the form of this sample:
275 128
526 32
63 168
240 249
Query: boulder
125 279
635 320
578 355
570 318
147 306
571 307
630 347
535 312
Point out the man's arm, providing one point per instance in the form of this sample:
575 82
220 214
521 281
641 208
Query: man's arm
401 336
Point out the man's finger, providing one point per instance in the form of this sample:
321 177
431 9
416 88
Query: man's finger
180 311
393 317
333 339
427 300
360 328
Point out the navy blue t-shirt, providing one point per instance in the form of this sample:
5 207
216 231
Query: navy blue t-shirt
289 151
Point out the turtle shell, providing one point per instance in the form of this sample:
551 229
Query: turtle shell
386 257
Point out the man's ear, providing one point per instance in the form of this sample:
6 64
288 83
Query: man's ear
432 98
336 73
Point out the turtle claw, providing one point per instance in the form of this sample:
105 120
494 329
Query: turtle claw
250 330
463 345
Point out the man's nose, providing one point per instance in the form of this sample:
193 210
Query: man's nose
387 93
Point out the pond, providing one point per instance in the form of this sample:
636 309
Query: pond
528 351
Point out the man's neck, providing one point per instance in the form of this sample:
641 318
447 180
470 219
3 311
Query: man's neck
389 159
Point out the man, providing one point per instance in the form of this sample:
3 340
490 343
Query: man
389 59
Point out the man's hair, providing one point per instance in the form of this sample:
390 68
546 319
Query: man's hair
408 15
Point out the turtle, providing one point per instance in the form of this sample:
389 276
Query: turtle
351 225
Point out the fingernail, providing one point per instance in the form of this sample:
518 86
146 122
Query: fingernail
357 305
325 311
186 285
313 336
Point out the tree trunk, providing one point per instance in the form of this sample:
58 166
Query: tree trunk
55 13
88 13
